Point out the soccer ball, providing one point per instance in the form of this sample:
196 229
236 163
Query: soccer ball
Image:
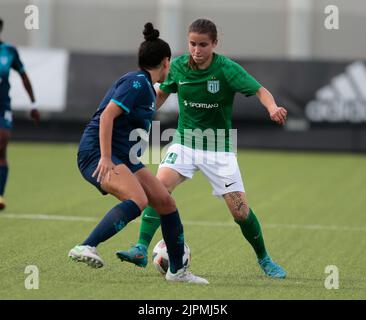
161 259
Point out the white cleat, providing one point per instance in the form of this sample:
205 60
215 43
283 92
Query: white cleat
183 275
86 254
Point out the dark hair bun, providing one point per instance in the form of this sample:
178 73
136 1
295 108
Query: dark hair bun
150 34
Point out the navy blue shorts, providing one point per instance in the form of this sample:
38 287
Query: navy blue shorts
88 162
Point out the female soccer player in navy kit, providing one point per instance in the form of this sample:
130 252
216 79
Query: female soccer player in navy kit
9 59
105 159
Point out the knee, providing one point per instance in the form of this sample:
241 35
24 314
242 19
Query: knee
167 181
140 200
170 189
168 186
165 204
240 214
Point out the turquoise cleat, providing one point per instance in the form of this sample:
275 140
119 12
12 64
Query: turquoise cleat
271 269
136 255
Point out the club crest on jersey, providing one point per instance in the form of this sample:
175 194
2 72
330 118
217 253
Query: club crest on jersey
213 86
4 60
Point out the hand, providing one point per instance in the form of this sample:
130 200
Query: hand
34 113
103 170
279 115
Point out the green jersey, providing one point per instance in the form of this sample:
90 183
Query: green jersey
205 99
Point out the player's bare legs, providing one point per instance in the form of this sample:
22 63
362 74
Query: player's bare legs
163 203
251 230
160 199
137 254
156 191
237 204
120 182
170 178
123 184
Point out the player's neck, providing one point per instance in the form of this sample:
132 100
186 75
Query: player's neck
154 74
206 64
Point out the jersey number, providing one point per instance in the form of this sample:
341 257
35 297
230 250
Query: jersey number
170 158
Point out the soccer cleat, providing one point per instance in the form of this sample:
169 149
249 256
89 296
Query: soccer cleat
271 269
86 254
183 275
136 255
2 203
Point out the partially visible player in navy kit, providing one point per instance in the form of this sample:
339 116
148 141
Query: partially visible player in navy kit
105 160
9 59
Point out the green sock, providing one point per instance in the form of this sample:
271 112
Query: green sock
150 222
251 230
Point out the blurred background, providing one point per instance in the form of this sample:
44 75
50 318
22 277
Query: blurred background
80 47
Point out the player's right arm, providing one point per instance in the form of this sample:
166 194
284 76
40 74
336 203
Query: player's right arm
161 97
168 86
111 112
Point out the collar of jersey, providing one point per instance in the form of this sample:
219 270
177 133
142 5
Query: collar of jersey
210 67
147 75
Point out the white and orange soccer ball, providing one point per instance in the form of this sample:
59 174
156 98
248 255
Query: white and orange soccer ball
161 259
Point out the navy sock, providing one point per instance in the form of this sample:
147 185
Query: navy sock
172 230
3 177
114 221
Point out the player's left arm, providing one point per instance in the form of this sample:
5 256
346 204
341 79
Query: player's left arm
17 65
277 114
34 113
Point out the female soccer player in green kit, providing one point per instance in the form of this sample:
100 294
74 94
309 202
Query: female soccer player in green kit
206 83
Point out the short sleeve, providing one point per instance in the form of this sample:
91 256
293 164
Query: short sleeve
17 63
127 93
240 80
170 84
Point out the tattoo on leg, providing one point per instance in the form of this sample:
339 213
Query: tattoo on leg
237 202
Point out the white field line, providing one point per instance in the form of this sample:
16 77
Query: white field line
185 222
45 217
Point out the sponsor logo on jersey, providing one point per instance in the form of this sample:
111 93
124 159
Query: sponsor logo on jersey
136 84
213 86
200 105
343 99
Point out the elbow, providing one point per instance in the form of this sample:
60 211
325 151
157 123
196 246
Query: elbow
103 118
106 118
263 93
25 78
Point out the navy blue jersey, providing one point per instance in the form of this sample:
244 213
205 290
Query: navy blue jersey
9 58
135 94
